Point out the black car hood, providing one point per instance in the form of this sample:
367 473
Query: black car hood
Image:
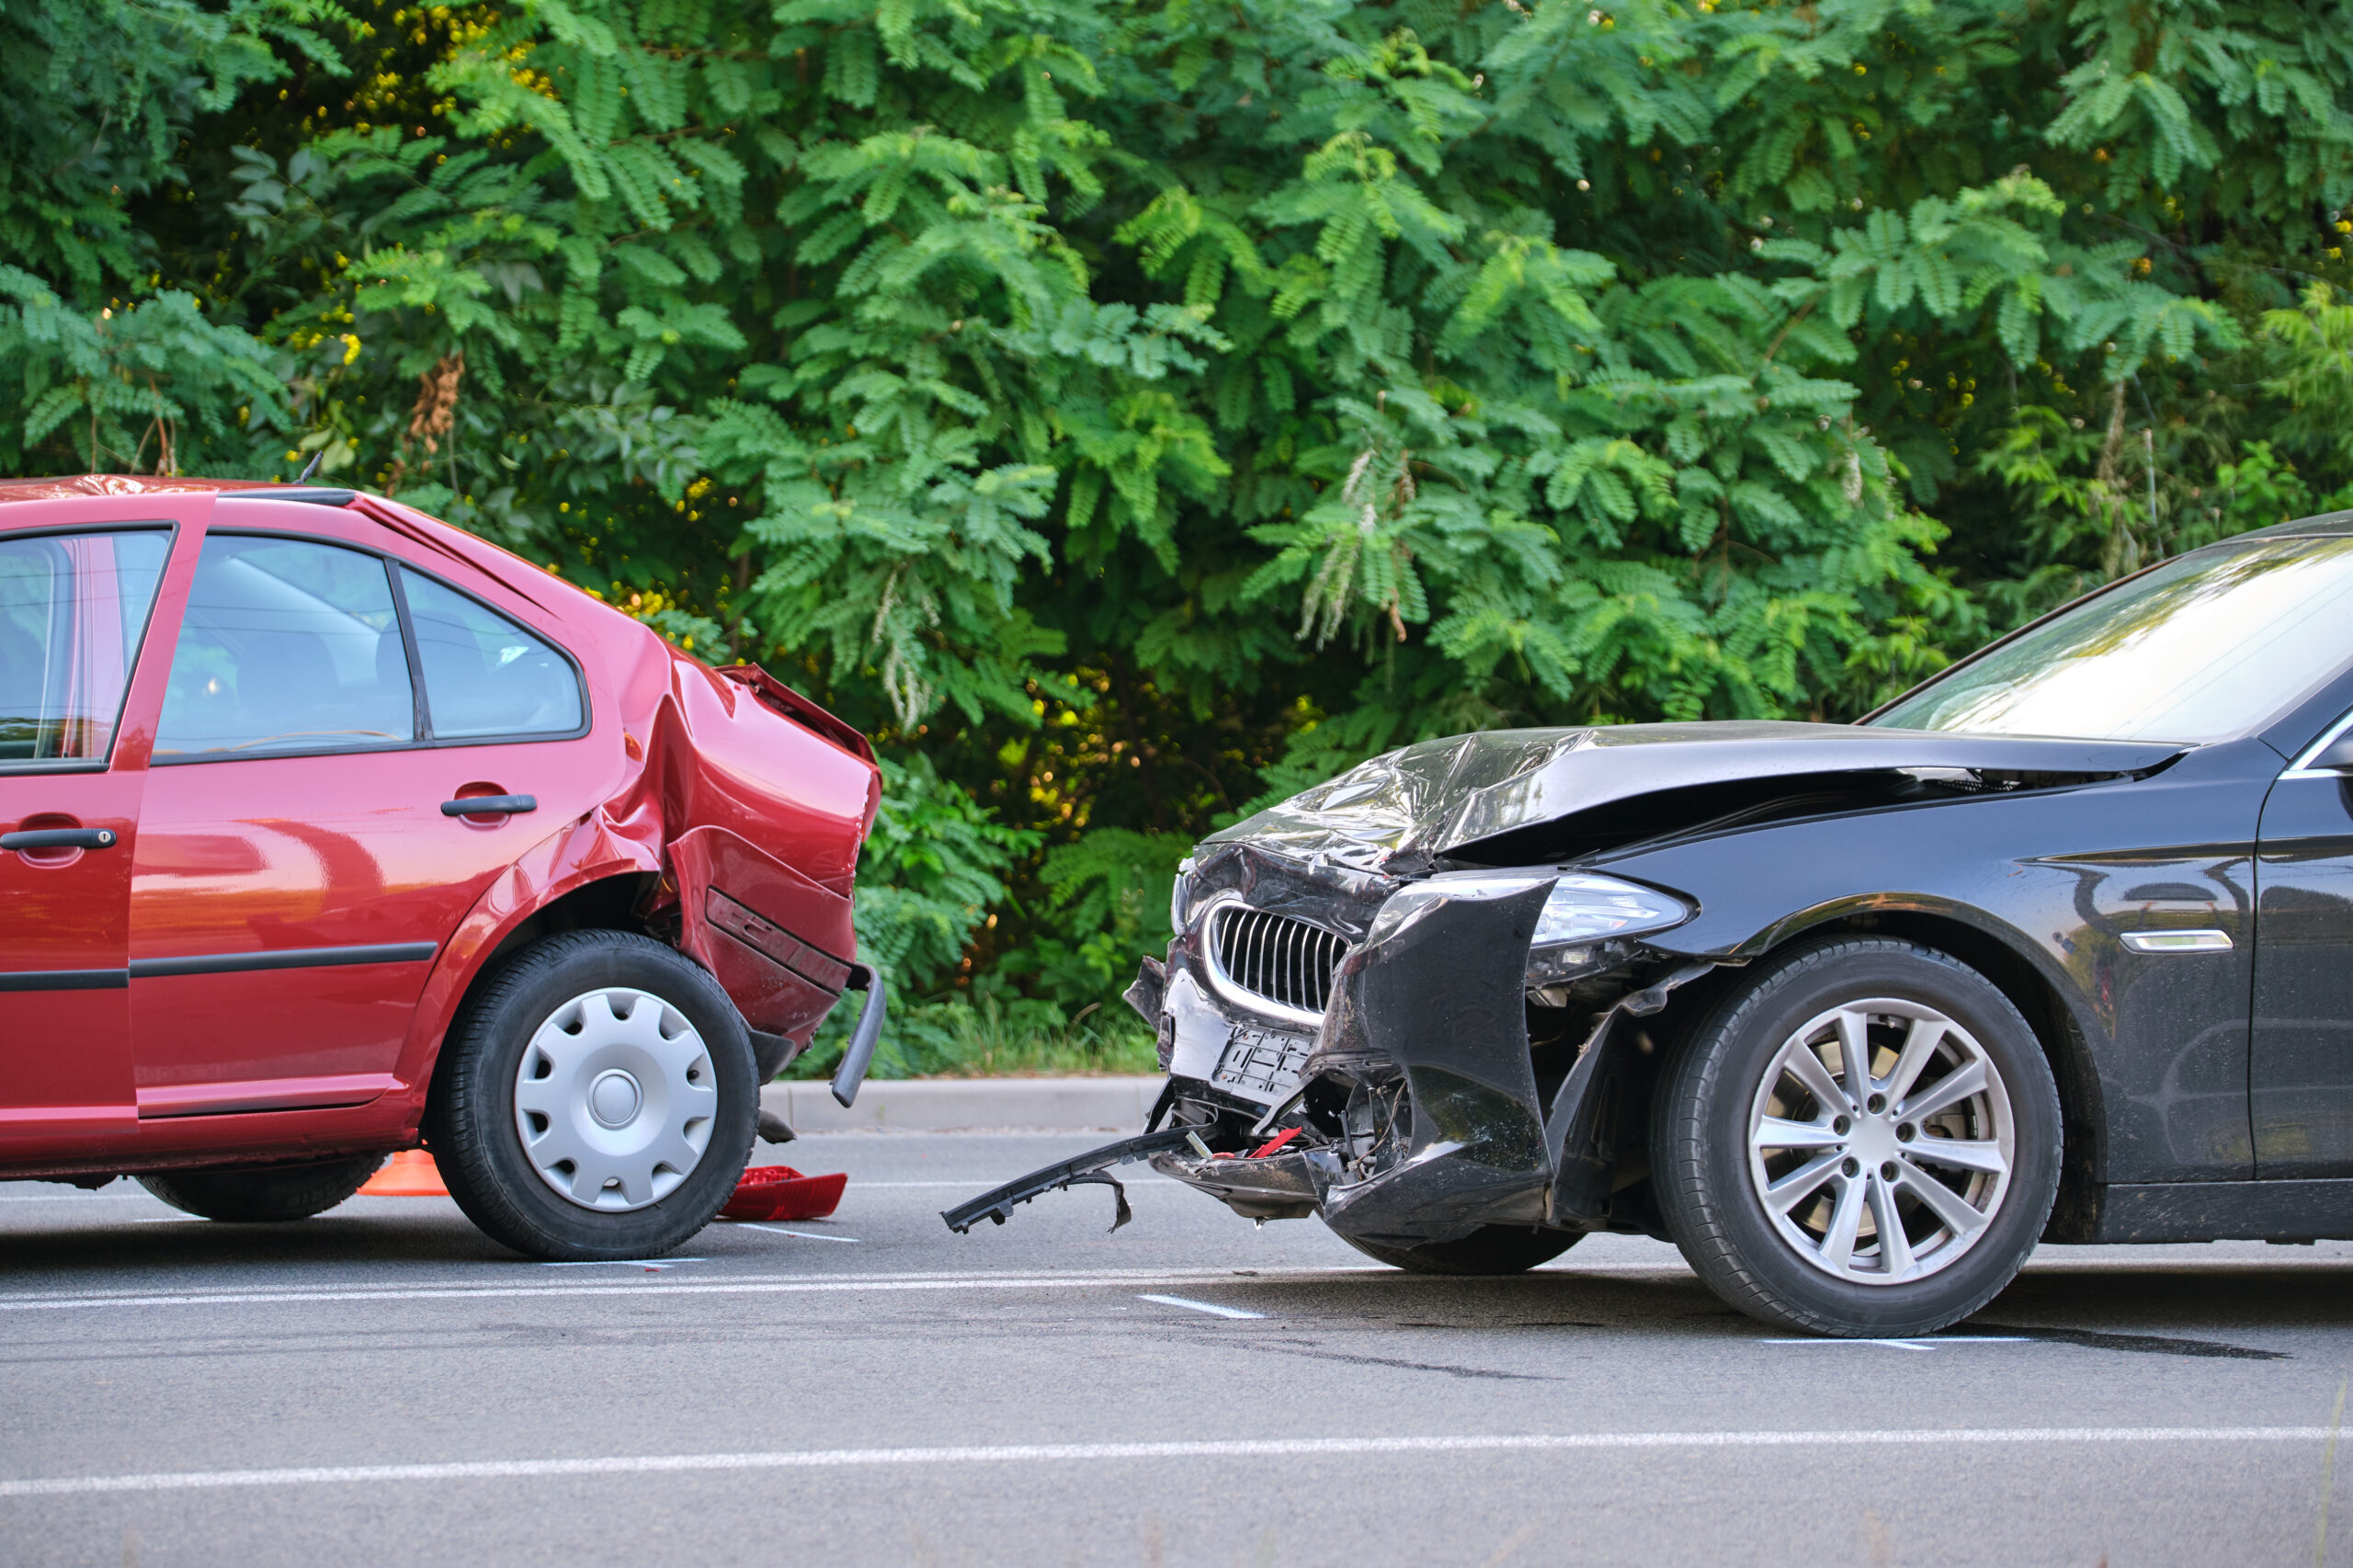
1400 811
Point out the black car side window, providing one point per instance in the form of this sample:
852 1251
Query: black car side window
484 675
288 645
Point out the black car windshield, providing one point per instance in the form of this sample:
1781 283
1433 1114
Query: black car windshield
2201 648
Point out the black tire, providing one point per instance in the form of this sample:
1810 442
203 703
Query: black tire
271 1195
1700 1156
1489 1249
471 1123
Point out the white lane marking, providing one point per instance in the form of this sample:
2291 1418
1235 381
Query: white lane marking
1243 1448
1307 1273
172 1219
1209 1307
704 1287
653 1263
780 1231
74 1197
1937 1343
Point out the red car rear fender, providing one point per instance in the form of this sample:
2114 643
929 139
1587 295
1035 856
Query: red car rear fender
711 759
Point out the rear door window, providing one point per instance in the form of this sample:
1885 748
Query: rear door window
484 675
72 610
287 645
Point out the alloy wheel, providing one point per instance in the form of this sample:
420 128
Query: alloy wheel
1881 1141
615 1097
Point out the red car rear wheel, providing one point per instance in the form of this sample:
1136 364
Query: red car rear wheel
596 1102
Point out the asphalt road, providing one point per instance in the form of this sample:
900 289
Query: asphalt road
383 1385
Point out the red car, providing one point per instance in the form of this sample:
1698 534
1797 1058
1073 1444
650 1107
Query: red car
327 829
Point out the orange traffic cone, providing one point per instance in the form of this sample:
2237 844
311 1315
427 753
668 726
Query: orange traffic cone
409 1174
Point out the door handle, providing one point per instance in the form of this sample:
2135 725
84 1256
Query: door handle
490 806
59 838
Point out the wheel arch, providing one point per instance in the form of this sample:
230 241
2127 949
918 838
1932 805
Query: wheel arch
2011 967
606 901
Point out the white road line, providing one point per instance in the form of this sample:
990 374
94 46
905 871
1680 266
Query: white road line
1211 1448
655 1263
519 1271
1209 1307
1937 1343
74 1197
704 1287
780 1231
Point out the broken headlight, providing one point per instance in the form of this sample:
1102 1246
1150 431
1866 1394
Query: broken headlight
1585 923
1579 929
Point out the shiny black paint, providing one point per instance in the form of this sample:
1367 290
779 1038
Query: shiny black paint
2032 867
1508 797
2055 877
2301 1076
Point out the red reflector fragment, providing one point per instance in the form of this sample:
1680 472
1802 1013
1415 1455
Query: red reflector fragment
779 1192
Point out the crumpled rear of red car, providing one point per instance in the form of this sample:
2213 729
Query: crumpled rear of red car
325 827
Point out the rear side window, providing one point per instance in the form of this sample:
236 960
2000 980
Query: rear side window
287 646
484 675
73 608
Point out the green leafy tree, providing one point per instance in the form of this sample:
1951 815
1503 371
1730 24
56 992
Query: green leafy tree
1128 411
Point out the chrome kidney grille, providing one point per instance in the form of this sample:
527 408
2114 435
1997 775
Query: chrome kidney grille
1283 960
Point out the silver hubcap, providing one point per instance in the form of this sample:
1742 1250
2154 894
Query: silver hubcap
615 1098
1881 1141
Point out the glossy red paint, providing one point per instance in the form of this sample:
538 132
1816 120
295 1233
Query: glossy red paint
229 1031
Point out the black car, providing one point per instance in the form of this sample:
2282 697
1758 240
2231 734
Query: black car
2057 946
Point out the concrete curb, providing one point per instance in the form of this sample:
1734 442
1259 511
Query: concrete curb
926 1104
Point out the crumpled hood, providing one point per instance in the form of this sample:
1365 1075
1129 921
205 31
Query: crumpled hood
1401 809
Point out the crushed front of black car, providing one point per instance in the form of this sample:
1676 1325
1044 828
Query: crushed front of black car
1410 1058
1356 1028
1420 1000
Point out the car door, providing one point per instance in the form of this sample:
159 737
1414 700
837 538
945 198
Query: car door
296 872
74 605
2301 1076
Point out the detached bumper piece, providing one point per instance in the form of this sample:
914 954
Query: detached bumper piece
862 1039
779 1192
1088 1169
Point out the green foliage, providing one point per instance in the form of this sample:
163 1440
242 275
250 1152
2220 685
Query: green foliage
931 873
1107 900
1129 410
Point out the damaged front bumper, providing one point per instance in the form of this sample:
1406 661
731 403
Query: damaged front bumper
1412 1060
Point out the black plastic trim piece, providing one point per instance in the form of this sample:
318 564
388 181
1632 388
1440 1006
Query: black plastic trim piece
295 958
316 494
864 1037
997 1203
2293 1211
64 978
